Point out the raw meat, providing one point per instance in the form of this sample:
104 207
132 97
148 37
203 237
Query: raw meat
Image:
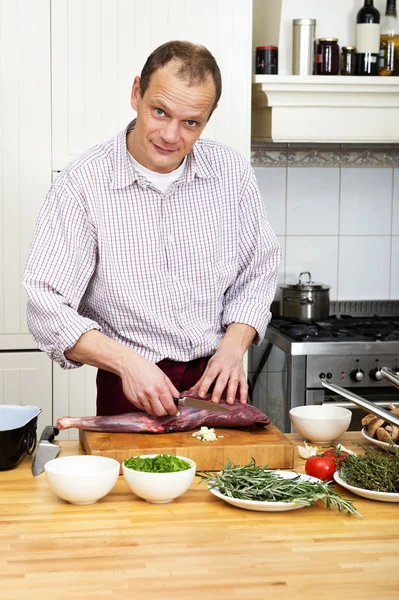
240 416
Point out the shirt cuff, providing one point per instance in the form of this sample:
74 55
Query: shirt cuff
251 314
67 338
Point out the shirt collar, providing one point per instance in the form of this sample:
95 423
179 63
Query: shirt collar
198 164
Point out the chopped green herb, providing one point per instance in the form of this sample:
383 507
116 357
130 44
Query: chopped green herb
375 470
162 463
252 482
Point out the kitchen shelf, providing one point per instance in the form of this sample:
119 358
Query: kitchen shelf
295 108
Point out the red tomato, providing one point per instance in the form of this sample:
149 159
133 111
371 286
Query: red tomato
339 457
320 467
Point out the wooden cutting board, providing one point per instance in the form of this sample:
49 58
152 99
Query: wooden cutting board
268 446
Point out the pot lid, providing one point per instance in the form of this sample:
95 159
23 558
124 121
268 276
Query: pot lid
305 286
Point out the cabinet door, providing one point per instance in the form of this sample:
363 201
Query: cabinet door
74 392
25 151
25 378
99 47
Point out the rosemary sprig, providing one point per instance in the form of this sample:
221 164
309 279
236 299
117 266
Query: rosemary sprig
252 482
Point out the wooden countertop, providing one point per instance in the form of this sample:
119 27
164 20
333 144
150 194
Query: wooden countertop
196 546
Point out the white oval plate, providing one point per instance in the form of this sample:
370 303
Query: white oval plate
370 494
266 506
378 442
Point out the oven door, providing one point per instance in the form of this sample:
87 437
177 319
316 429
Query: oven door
380 397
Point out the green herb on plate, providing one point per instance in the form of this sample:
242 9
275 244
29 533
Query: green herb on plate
252 482
376 470
162 463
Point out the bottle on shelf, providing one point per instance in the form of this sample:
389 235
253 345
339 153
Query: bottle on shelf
367 39
388 63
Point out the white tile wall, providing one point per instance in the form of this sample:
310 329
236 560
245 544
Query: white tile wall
395 211
395 267
364 267
272 185
342 224
319 254
312 201
366 201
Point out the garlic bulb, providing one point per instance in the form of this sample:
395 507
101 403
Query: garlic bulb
308 451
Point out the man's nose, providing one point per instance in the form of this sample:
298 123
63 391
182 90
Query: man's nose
170 132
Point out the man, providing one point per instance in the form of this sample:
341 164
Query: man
152 258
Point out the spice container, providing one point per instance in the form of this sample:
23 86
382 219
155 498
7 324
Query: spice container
266 60
348 60
303 46
327 62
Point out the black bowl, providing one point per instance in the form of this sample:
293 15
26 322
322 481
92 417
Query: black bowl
18 425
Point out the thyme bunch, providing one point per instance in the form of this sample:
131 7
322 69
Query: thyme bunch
376 470
252 482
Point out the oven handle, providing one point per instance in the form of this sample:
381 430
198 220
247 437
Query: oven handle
369 407
352 405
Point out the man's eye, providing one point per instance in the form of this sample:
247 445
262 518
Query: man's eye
191 123
159 112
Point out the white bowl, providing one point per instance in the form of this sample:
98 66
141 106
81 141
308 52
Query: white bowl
159 488
320 423
82 479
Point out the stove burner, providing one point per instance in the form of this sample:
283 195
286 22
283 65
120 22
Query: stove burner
343 328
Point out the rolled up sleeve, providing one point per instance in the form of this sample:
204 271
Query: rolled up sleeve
61 262
249 299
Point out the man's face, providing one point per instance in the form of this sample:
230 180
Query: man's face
170 118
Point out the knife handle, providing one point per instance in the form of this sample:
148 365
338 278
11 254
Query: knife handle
49 433
178 401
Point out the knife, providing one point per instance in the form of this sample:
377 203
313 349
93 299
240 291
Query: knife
200 404
46 450
363 403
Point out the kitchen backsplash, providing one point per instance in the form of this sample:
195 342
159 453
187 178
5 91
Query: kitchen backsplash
335 211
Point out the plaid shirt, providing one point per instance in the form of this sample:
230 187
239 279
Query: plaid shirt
161 273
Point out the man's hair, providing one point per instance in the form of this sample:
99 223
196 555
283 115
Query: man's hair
196 63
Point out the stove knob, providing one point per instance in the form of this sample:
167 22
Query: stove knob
376 374
357 375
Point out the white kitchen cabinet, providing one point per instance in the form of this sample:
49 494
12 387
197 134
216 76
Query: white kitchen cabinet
25 378
74 395
99 47
25 151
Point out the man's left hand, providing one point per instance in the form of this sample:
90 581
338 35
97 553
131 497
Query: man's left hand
225 368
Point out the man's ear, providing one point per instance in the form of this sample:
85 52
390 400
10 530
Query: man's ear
135 95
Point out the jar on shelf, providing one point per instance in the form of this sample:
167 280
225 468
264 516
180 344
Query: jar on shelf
266 60
327 62
348 60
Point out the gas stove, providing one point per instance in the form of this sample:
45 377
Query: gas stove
348 349
342 328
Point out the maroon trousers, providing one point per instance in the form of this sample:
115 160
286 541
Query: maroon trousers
112 401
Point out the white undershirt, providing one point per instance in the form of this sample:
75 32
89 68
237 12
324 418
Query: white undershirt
161 181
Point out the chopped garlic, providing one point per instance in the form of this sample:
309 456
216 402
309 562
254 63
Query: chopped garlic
206 434
308 451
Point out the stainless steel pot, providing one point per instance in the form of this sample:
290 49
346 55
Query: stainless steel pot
307 301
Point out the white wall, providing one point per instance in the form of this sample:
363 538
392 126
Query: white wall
342 224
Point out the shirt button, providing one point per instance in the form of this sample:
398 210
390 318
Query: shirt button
198 351
171 238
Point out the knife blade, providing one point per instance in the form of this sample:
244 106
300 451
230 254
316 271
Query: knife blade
363 403
200 404
46 450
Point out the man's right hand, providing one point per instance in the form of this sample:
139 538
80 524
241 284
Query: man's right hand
147 387
144 384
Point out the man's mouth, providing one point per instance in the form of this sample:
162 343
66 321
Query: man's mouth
162 150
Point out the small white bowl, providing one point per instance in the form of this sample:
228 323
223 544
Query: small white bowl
320 423
159 488
82 479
